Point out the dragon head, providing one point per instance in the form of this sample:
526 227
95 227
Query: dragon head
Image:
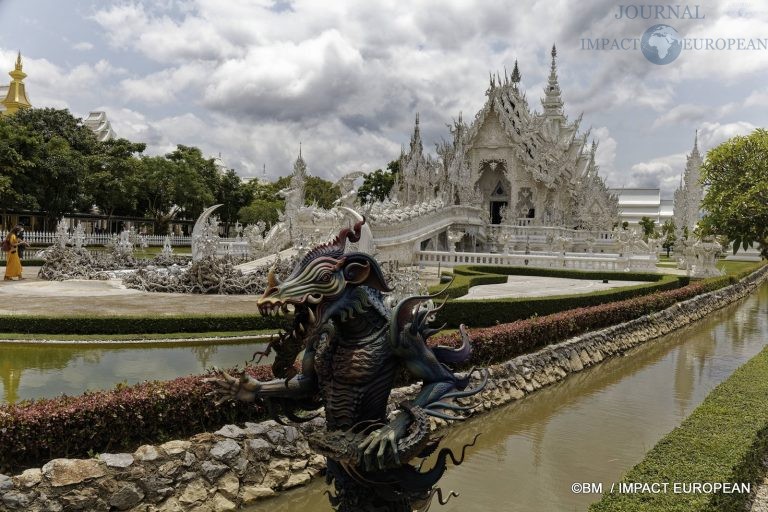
319 280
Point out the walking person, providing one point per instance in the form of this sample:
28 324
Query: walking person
13 263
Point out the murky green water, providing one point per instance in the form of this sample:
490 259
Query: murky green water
591 428
35 371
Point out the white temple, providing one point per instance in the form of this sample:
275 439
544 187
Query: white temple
513 187
521 167
690 193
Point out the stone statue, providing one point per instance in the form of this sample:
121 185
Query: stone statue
353 347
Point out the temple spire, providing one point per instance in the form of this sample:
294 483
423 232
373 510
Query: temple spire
695 149
16 98
515 74
552 101
416 144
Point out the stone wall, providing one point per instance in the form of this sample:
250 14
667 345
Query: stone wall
236 466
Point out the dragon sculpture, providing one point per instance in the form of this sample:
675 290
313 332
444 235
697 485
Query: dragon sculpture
354 347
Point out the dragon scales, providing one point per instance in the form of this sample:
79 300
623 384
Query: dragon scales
354 347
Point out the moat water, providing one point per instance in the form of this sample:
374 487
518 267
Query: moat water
37 371
593 427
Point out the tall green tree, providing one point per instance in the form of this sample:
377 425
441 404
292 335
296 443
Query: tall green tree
233 195
735 175
648 225
321 191
266 205
668 235
376 186
112 183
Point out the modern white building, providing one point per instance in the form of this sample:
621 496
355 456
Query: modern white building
636 203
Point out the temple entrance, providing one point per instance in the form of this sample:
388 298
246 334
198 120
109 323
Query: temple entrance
496 210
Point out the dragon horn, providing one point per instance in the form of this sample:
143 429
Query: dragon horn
272 281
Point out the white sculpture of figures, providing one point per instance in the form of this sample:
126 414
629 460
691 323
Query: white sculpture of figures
167 249
62 237
704 259
199 233
78 239
124 247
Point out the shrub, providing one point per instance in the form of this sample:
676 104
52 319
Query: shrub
119 419
116 324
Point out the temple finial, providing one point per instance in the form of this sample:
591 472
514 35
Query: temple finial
18 61
515 74
554 51
696 140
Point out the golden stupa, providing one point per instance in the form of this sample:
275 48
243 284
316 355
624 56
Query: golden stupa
16 96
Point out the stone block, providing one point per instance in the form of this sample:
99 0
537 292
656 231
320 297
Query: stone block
117 460
60 472
175 447
29 478
225 450
252 493
231 432
127 496
147 453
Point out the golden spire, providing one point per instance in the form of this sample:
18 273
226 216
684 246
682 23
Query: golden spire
16 98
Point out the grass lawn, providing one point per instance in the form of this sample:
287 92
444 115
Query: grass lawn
734 267
723 440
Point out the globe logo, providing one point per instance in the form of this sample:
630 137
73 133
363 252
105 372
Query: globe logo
661 44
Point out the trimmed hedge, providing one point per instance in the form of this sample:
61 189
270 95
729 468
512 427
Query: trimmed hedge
131 324
119 419
482 313
723 440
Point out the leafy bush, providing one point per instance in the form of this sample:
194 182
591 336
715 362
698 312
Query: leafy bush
119 419
117 324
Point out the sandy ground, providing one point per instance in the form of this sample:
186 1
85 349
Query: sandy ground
532 286
81 297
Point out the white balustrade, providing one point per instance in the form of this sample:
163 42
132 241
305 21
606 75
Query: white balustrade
538 259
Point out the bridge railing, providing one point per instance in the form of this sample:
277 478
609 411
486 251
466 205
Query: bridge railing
575 261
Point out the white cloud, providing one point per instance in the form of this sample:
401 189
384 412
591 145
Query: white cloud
83 46
688 113
662 172
605 157
712 134
757 99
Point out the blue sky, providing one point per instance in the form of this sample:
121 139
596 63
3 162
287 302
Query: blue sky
251 79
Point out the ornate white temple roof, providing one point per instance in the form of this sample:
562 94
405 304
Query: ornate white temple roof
98 123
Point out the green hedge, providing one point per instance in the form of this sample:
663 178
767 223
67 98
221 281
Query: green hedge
467 276
116 324
555 272
481 313
723 440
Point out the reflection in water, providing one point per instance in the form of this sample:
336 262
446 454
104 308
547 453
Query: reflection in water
591 428
36 371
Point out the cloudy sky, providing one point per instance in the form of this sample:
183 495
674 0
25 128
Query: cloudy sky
251 79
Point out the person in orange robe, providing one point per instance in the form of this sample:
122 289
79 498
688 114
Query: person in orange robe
13 262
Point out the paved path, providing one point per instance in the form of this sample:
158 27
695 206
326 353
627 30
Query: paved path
98 298
534 286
